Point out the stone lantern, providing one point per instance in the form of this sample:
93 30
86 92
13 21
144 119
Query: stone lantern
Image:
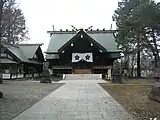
155 92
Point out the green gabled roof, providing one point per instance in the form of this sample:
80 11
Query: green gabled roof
18 53
29 50
58 40
23 52
104 38
81 32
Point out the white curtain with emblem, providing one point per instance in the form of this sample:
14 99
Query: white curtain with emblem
88 57
76 57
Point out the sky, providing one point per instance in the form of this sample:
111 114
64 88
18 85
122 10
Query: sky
42 14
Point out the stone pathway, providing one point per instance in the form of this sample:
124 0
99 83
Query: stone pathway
77 100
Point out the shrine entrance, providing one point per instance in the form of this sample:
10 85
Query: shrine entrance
82 71
82 67
82 63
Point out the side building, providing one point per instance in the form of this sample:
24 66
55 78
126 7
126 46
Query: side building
82 52
21 60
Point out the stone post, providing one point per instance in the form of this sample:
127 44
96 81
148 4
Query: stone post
109 75
116 75
155 92
1 94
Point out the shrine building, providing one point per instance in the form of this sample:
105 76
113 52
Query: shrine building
82 51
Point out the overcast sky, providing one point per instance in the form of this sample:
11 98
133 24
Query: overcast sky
42 14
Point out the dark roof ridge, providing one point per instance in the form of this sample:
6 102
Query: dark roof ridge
100 31
88 31
62 32
30 44
12 45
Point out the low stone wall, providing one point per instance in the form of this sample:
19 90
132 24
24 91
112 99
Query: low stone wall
6 76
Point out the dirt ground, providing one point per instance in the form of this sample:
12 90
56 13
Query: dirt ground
133 96
139 81
20 95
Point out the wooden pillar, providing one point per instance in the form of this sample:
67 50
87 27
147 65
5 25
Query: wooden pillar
72 70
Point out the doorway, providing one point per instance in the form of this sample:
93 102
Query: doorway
82 71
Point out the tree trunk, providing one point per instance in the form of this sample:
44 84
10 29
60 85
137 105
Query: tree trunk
132 64
9 32
132 69
156 52
155 59
138 56
138 64
126 64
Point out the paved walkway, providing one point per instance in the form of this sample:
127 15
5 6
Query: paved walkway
76 100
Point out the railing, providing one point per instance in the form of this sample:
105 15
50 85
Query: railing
61 67
70 67
100 67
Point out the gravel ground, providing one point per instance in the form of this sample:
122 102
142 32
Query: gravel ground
20 95
135 100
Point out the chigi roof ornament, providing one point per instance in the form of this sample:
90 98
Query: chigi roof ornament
74 28
89 28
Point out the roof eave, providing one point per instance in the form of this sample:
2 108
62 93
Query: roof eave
39 44
51 52
114 51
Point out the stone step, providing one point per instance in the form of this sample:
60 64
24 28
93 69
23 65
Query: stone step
83 77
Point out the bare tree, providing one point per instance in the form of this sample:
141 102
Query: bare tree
1 11
13 24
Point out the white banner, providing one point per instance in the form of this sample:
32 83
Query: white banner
88 57
76 57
